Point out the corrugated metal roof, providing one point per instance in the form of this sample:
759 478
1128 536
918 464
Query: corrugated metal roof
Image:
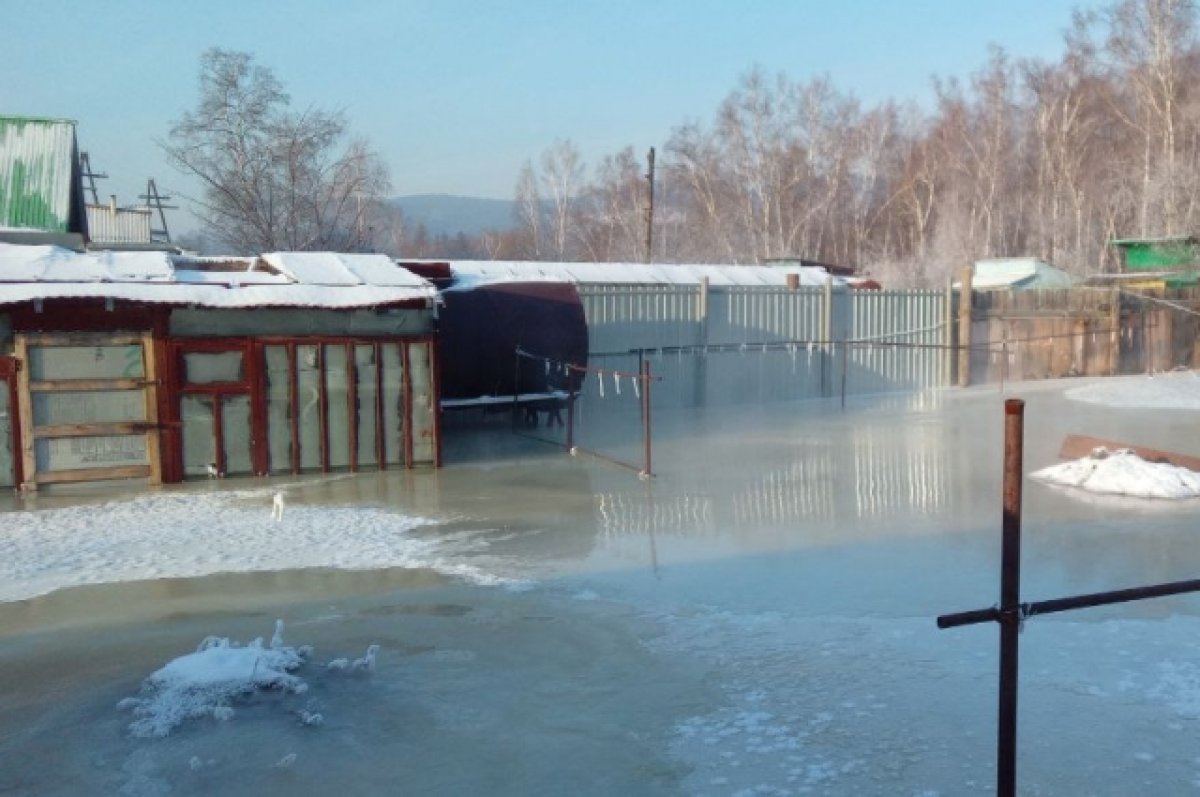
1017 272
487 271
37 160
50 272
110 225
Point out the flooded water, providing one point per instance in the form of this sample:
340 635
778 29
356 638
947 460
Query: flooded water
757 619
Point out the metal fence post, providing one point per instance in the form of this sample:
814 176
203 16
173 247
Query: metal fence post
1010 597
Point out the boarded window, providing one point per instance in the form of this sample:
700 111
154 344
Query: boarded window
421 381
99 406
199 445
73 453
85 362
366 371
279 410
393 403
338 404
235 434
308 380
202 368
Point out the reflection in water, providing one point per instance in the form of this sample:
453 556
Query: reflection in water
620 514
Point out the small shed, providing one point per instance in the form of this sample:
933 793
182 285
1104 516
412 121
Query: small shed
153 366
1167 262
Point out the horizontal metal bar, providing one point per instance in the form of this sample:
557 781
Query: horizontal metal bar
1113 596
968 618
1074 602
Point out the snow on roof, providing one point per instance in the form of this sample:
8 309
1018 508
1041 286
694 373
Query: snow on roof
476 272
286 279
1017 272
55 264
333 268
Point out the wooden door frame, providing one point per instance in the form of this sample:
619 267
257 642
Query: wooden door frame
148 426
251 385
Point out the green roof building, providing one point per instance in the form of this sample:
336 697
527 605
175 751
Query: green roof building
1172 260
40 187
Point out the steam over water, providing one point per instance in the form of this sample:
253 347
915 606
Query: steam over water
758 619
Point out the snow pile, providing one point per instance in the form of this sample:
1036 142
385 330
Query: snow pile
1123 472
207 682
1176 390
222 673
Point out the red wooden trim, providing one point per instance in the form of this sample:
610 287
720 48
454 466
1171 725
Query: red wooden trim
219 433
87 315
352 402
323 406
256 369
380 426
294 407
407 414
169 414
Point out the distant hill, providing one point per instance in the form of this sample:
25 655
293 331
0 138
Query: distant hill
450 215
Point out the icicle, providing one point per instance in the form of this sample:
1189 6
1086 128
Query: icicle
636 390
547 368
600 382
742 348
617 382
810 351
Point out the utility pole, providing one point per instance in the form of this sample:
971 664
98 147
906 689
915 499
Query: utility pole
650 207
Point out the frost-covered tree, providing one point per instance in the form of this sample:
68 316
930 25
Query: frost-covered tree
273 178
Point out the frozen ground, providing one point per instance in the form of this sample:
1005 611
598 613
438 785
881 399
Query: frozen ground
757 620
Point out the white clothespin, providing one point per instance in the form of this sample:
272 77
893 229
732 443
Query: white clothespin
547 368
617 382
636 392
600 382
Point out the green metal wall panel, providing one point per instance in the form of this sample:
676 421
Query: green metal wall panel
37 165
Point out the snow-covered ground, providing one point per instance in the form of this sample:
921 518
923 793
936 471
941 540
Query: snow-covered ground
199 531
757 620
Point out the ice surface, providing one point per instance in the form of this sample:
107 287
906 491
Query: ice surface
1123 472
757 620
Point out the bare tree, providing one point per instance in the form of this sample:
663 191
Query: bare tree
272 178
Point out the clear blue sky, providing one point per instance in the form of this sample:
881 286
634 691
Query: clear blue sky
457 94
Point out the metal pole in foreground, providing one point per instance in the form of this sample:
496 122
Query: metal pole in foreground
645 377
1010 598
